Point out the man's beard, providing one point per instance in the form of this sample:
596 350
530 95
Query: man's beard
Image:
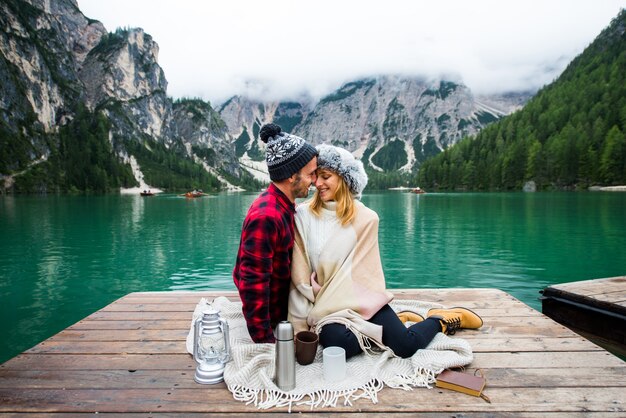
299 189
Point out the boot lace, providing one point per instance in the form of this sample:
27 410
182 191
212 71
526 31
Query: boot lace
452 324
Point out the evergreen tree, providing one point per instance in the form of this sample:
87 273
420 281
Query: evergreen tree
613 161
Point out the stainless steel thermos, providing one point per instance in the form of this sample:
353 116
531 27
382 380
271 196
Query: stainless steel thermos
285 356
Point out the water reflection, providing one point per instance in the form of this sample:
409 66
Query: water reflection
513 241
216 231
410 203
136 212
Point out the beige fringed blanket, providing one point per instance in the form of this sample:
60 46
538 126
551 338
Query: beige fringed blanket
249 375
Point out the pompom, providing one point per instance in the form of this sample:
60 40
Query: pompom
268 131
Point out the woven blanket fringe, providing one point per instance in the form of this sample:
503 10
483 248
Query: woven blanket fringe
422 377
266 399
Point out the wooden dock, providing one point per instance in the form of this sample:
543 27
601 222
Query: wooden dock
595 309
130 358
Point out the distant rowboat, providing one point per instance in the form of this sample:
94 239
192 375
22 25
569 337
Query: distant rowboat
195 193
417 190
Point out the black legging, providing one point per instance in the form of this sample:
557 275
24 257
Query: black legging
402 340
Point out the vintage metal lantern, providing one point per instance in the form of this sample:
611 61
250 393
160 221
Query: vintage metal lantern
211 347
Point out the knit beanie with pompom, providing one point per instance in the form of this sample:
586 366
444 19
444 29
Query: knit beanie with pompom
285 154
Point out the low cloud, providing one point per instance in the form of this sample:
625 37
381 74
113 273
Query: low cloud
280 49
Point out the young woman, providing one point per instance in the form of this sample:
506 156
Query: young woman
338 285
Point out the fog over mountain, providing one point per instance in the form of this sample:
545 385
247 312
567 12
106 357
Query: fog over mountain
279 49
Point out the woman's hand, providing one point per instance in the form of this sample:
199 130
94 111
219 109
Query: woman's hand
314 284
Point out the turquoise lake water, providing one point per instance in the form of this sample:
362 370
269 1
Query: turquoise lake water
64 257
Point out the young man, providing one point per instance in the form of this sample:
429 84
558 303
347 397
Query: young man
262 271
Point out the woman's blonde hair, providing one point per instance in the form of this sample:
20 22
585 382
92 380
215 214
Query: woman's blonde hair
346 209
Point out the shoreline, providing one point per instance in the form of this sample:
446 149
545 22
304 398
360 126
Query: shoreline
138 190
608 189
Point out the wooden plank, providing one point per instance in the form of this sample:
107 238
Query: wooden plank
116 332
109 347
182 400
129 361
120 335
173 378
522 328
110 315
564 360
572 344
139 316
154 361
528 344
591 287
612 297
553 377
327 413
102 379
176 324
495 321
494 317
181 325
521 331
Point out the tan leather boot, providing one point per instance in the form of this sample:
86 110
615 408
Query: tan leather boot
410 316
456 318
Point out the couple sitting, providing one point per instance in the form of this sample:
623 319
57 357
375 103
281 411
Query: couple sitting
325 274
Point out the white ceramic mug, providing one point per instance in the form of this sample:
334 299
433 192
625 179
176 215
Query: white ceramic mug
334 359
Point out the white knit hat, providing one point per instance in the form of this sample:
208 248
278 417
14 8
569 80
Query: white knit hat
342 162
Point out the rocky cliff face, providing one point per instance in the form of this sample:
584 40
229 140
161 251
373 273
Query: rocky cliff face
121 76
43 45
244 118
204 134
384 120
410 118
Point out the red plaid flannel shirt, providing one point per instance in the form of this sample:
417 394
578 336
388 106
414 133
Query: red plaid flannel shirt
262 272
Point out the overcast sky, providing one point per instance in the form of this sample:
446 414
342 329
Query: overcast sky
276 49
